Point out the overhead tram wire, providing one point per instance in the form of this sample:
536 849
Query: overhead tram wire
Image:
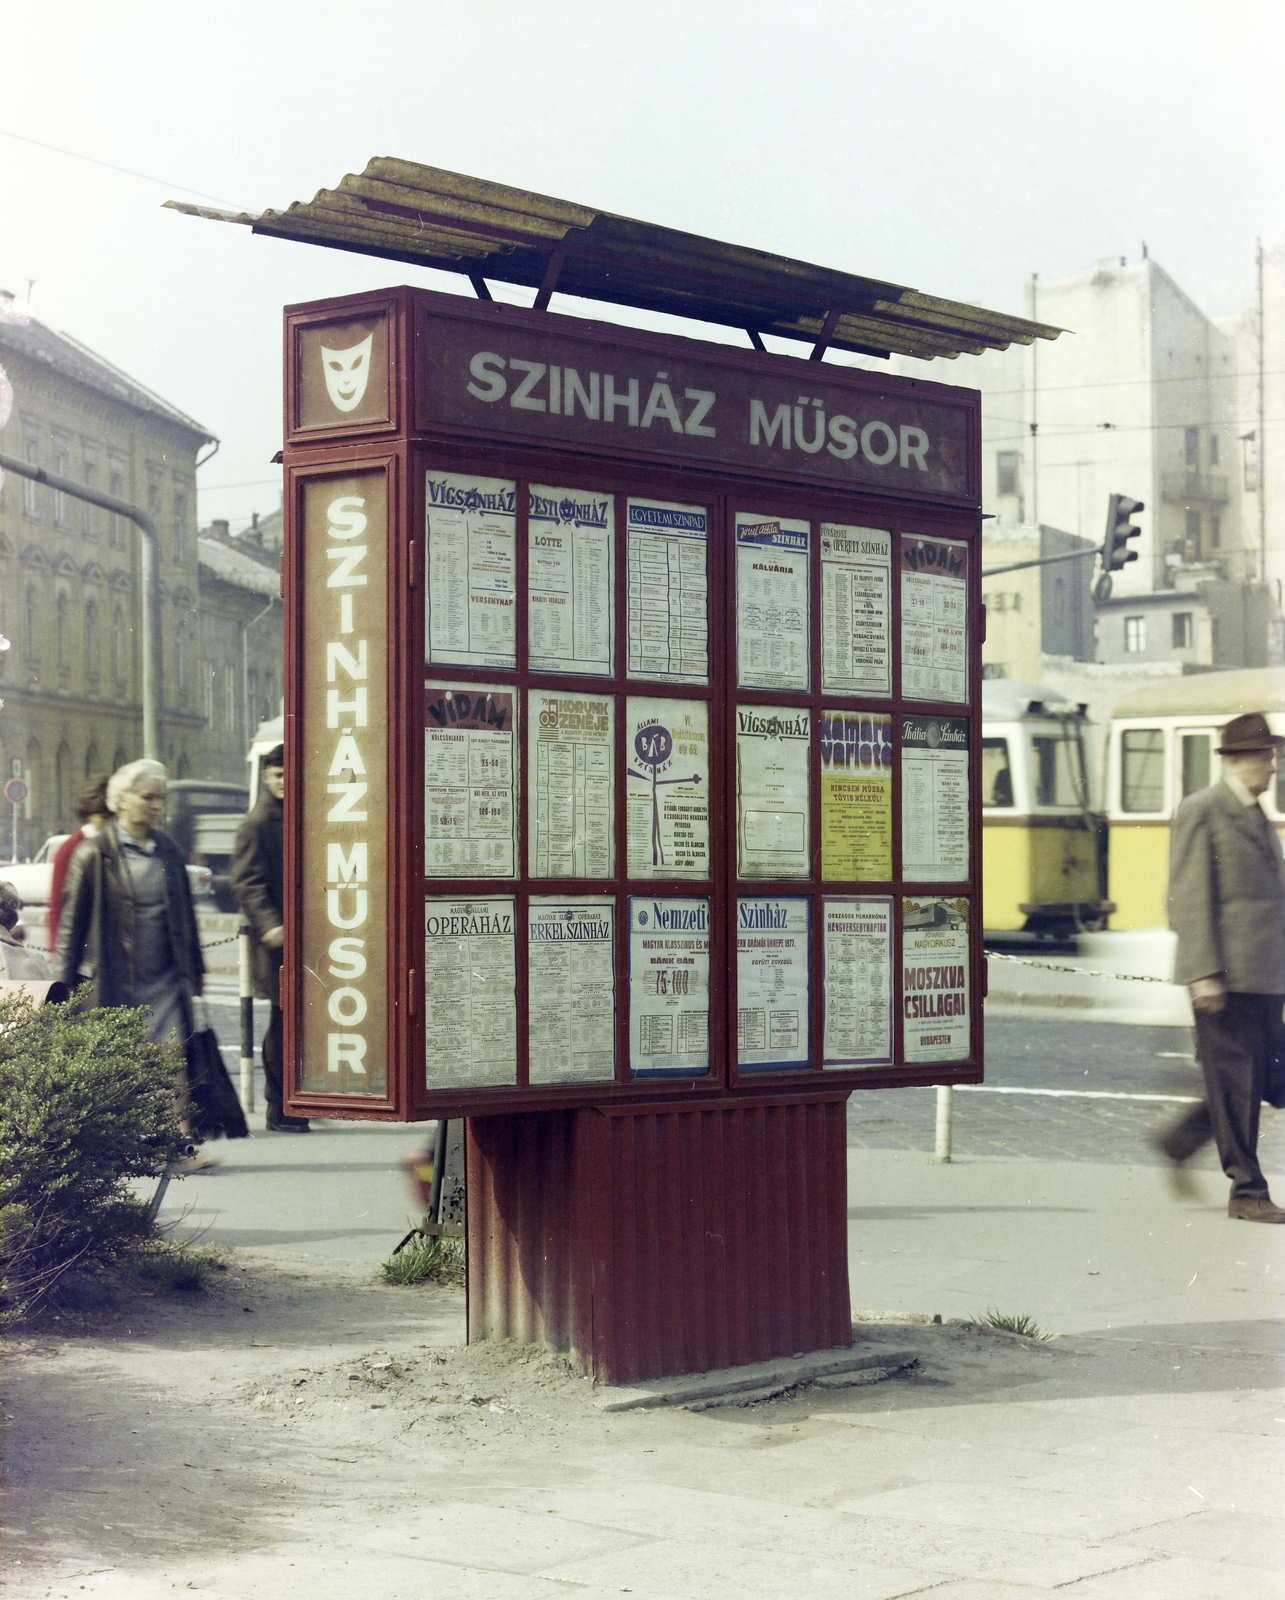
111 166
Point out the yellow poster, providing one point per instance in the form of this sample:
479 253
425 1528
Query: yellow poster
856 796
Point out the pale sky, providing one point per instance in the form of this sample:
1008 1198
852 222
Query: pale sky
951 147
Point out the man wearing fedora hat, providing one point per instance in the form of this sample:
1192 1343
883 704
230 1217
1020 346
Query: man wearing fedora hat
1227 906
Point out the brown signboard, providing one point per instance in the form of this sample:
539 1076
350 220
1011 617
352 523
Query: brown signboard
342 375
646 397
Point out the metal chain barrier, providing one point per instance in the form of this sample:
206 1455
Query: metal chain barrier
1083 972
215 943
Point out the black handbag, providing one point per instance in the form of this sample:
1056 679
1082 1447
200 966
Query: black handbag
210 1103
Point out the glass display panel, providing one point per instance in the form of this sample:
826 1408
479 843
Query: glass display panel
858 982
668 986
668 591
470 592
470 998
935 997
856 577
934 619
1142 769
771 602
773 819
470 781
934 798
772 981
571 964
667 788
571 772
570 594
856 796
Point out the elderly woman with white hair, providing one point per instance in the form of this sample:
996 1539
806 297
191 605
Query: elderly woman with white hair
128 927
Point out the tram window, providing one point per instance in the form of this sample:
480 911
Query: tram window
1195 762
1142 776
1059 777
997 775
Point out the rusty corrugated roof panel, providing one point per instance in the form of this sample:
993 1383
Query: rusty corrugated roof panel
401 211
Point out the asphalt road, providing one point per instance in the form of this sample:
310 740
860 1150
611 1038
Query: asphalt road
1103 1077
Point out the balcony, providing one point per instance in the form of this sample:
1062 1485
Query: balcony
1194 488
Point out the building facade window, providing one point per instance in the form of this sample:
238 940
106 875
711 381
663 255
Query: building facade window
269 697
180 530
31 624
61 650
30 488
62 467
1182 630
1213 449
1215 531
90 511
1135 635
229 697
1191 448
180 663
118 647
91 641
117 488
1192 538
1007 472
207 693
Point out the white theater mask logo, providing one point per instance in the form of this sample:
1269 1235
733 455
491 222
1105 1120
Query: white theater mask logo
346 373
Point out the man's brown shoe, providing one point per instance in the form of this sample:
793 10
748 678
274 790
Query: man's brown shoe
1254 1208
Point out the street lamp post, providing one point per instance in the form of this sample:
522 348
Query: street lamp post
151 609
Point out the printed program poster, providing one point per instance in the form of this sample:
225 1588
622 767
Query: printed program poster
667 793
668 986
470 1005
934 619
668 591
570 539
771 982
470 767
771 602
571 772
856 575
856 796
934 799
934 960
471 535
772 809
572 988
858 982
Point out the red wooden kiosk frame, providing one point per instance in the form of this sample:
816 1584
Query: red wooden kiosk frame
649 1225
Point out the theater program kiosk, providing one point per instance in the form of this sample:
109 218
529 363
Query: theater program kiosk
632 743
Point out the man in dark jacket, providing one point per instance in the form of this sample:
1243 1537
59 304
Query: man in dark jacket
256 873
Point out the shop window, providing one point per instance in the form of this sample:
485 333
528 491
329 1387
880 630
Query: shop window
1142 769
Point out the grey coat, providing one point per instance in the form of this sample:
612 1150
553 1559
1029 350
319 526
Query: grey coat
1227 894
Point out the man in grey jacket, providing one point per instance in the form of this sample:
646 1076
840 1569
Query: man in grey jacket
1227 906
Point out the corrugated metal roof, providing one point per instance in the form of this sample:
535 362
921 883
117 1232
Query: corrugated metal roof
401 211
234 566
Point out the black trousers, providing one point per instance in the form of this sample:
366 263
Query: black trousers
1232 1050
273 1060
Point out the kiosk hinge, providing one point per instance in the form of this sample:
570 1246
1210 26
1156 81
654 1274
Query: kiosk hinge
982 640
412 565
410 992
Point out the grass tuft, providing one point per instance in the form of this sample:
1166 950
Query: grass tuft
1026 1326
426 1260
177 1266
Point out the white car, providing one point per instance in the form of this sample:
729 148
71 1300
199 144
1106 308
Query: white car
32 879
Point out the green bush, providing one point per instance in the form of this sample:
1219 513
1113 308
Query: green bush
86 1103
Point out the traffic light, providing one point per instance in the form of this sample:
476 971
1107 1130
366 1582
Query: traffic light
1115 547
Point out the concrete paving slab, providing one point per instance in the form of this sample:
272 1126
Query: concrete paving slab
1180 1578
1218 1535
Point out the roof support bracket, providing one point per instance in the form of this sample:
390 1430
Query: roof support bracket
756 340
828 330
550 283
479 286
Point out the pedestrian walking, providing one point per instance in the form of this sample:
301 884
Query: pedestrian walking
1227 906
128 926
91 808
256 872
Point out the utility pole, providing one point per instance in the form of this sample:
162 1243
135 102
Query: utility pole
1262 430
1035 410
151 608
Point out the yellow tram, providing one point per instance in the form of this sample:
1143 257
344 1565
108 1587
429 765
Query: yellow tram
1162 747
1043 845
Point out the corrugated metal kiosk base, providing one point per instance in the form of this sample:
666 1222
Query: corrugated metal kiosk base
647 1241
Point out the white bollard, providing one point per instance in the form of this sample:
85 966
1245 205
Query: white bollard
246 988
945 1117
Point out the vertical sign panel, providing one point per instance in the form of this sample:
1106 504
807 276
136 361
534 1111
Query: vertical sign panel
856 796
570 774
471 593
344 936
856 565
772 792
573 988
934 619
470 1004
934 987
668 986
772 990
570 545
667 798
470 782
771 602
668 591
934 799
